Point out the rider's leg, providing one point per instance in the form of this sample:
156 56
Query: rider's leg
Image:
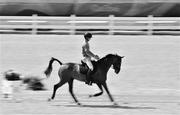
88 76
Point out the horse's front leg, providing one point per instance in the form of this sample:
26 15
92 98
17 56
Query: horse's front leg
107 90
71 91
98 94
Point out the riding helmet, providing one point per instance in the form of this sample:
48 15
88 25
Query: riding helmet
88 35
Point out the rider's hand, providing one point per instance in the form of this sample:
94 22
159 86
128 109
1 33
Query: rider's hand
96 57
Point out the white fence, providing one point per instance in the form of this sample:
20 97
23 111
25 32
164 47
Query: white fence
99 25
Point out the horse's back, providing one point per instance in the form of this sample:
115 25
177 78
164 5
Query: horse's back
71 70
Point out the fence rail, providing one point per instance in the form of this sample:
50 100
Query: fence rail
99 25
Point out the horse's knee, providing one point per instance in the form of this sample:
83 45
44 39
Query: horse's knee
55 86
70 90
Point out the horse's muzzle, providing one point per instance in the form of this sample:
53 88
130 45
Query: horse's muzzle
117 71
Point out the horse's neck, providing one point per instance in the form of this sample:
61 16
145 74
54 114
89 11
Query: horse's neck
105 63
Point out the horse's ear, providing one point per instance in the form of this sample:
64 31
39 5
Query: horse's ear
122 56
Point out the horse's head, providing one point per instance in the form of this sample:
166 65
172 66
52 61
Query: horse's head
117 63
112 59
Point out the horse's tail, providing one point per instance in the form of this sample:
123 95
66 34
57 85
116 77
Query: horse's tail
48 71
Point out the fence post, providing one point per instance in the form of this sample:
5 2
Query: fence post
150 25
179 23
111 24
34 24
73 24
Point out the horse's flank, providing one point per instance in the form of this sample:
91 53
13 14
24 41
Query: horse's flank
71 70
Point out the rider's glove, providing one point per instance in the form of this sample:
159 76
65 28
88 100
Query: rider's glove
96 57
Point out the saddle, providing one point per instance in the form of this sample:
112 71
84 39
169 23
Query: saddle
83 68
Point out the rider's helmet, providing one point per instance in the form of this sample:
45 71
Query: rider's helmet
87 35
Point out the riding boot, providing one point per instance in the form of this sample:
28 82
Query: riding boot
88 77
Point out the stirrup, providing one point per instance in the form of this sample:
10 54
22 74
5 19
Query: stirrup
88 83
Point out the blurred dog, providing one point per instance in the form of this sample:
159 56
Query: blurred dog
13 80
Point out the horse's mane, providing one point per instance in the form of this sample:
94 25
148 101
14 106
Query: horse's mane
107 56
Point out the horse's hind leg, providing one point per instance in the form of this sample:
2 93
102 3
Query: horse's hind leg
71 91
98 94
56 87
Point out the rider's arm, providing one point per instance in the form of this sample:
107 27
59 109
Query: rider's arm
87 50
89 53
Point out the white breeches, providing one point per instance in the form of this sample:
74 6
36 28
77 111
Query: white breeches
88 62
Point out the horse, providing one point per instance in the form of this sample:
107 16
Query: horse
70 71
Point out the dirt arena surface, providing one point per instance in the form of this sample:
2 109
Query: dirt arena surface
35 103
148 84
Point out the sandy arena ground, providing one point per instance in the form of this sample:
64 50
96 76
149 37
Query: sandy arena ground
148 84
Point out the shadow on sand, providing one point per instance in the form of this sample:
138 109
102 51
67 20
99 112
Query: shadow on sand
110 106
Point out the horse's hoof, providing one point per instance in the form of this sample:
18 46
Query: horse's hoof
115 104
90 96
49 99
78 103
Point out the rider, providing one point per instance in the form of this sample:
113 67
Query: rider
87 54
